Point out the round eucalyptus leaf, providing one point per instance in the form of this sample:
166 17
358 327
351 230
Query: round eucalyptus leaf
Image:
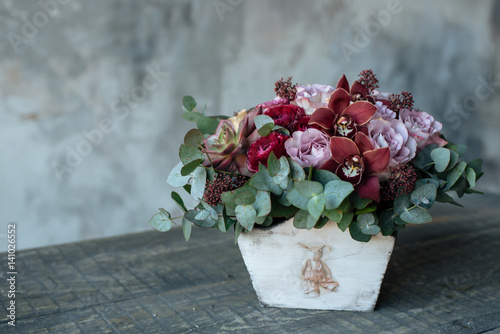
441 158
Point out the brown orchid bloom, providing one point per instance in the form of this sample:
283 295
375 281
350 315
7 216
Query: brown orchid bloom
341 117
356 162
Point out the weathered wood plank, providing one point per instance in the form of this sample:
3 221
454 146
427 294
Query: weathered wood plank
443 276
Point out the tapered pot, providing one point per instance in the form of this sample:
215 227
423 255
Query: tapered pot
316 269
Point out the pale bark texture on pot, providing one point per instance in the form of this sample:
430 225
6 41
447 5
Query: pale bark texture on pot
316 269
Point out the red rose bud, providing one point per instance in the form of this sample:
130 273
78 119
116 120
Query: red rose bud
260 150
286 116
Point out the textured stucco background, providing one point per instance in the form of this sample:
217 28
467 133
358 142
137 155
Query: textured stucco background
90 91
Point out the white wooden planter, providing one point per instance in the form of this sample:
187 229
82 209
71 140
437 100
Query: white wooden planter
316 269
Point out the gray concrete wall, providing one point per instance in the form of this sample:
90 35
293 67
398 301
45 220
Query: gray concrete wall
90 91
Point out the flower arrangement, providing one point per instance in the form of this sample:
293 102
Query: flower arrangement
365 159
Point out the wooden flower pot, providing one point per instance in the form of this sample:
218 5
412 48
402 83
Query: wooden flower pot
316 269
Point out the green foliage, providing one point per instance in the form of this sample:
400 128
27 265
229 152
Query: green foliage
194 137
188 103
162 221
207 125
264 124
441 158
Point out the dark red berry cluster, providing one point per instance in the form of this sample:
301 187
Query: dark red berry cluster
401 182
285 89
368 79
223 182
401 101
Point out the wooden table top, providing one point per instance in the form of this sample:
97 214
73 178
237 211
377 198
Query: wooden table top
442 277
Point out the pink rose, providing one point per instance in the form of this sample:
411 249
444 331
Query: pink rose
422 127
309 148
393 134
312 97
383 112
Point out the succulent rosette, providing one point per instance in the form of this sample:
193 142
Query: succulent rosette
422 127
226 149
357 161
394 135
309 148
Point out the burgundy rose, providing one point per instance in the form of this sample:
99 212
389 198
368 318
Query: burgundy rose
286 116
260 150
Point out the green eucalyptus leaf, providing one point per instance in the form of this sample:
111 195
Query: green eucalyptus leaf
297 171
357 234
161 221
423 159
321 222
262 203
178 199
346 220
358 202
262 120
263 181
453 160
336 191
386 222
175 178
455 174
401 203
245 195
421 182
471 176
194 137
191 116
186 228
445 198
424 195
303 220
370 229
188 102
473 191
460 186
368 209
246 216
191 215
227 198
198 183
237 231
333 215
273 164
190 167
265 130
297 199
476 165
323 176
189 153
207 125
316 205
416 215
280 210
309 188
441 158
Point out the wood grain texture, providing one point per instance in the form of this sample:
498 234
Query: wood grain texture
442 277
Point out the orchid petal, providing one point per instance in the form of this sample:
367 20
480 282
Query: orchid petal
376 160
323 117
342 148
339 100
343 83
363 142
369 188
330 165
358 88
360 111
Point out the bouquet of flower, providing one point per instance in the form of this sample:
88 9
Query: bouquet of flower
365 159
